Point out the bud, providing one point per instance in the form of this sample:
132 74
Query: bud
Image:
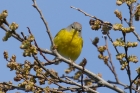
91 22
118 14
95 41
31 38
129 2
25 44
117 27
95 24
132 29
100 56
33 50
106 59
7 35
137 14
129 44
5 54
13 26
122 68
4 14
120 56
14 57
106 27
77 75
115 43
83 63
133 58
88 82
119 2
102 48
138 70
28 88
67 71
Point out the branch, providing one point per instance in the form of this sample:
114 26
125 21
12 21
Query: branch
86 14
87 88
134 79
112 42
112 66
138 37
88 73
57 76
44 21
134 32
12 87
125 86
74 88
15 35
39 48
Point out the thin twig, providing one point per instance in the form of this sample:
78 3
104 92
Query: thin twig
126 49
134 80
23 35
134 32
87 88
44 21
86 14
38 47
112 42
125 86
113 68
53 82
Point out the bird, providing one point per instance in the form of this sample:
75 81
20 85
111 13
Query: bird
69 42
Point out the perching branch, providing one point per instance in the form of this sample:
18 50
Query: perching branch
59 77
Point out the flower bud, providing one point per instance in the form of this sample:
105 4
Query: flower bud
13 26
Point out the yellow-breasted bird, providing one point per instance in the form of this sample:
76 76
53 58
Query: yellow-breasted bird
69 42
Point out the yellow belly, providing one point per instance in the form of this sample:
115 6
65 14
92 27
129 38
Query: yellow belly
68 45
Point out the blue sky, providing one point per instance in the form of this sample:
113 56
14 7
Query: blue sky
59 15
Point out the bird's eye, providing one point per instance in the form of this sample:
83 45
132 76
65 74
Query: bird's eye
79 30
72 26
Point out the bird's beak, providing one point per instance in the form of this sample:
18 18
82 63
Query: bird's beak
75 31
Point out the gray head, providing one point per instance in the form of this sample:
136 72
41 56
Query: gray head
76 26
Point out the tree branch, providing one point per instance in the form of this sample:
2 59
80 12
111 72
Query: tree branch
44 21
